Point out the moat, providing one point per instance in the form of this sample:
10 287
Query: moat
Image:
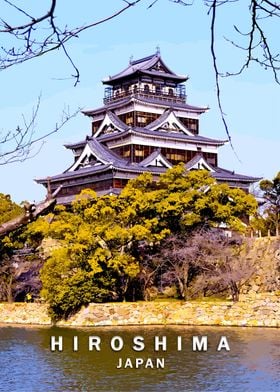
28 364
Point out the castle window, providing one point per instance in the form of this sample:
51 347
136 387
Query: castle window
158 90
139 152
141 119
117 183
170 92
146 88
190 123
211 158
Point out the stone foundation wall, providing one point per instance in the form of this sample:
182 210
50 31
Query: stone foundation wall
24 313
264 253
259 310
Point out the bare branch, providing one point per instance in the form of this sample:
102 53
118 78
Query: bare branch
181 2
217 73
37 36
53 37
18 145
33 21
259 47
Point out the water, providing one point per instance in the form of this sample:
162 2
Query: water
28 364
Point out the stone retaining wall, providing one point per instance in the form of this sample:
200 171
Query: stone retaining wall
261 310
24 313
264 254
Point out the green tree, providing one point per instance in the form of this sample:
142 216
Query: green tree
8 210
183 200
102 242
180 203
96 247
271 189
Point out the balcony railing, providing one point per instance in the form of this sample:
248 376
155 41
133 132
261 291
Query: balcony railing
178 95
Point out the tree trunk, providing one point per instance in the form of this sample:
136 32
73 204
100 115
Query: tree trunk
32 212
234 291
10 297
181 288
277 222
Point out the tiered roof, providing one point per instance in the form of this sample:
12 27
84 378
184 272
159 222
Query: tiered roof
154 129
151 65
105 159
95 161
138 99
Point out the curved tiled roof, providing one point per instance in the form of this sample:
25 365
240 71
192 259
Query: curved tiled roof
218 173
171 105
105 153
224 174
135 98
75 174
94 161
221 174
144 65
87 171
116 120
112 161
74 145
164 135
110 106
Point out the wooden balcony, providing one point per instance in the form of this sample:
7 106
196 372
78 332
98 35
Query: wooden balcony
178 96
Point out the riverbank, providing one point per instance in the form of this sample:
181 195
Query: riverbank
261 310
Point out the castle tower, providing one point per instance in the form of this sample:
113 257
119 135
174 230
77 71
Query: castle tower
145 124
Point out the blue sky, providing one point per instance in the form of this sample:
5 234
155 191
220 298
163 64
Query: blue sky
251 101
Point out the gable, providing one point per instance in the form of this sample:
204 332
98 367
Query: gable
86 159
199 163
156 159
168 122
159 67
108 126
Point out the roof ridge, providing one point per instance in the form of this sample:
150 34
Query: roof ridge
134 62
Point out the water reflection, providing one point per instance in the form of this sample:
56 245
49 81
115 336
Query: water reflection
27 364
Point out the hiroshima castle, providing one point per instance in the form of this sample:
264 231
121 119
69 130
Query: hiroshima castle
144 125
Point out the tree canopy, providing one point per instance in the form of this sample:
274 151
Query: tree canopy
8 209
101 242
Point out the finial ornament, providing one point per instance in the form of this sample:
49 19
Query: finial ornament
158 50
130 59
